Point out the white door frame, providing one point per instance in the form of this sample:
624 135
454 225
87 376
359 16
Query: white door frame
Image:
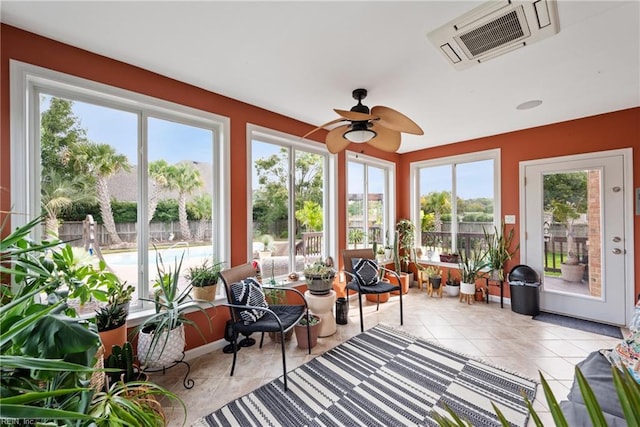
627 154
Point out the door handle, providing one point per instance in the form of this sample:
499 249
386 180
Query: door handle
617 251
616 239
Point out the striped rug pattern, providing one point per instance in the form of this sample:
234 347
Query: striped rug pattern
382 377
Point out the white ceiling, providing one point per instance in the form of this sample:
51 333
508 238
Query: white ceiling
302 59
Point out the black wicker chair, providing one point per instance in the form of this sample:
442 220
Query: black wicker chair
380 287
277 318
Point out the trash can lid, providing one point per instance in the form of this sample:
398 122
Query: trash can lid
523 273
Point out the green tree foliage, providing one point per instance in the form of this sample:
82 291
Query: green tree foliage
271 198
568 187
310 216
60 130
124 211
166 211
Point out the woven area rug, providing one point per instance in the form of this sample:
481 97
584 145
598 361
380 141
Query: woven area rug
382 377
580 324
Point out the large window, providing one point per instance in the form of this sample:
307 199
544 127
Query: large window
291 222
457 199
122 177
370 184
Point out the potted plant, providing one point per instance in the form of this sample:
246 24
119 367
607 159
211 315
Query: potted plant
471 269
118 293
111 321
122 362
435 276
499 250
301 331
565 213
131 403
319 277
380 254
267 245
452 285
406 231
203 279
161 338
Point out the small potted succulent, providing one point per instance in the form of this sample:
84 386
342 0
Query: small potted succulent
435 276
452 285
319 277
301 331
204 279
111 321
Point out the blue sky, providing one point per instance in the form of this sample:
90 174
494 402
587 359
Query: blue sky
175 142
167 140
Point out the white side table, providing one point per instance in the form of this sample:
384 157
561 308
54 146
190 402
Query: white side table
322 306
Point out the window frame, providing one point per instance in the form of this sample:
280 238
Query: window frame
293 143
389 211
414 171
28 81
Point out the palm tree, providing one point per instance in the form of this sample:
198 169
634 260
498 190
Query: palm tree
201 209
59 193
158 172
184 179
101 161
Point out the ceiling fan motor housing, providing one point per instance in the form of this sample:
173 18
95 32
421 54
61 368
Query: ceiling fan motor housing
359 95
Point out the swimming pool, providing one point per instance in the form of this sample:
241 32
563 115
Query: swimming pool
169 255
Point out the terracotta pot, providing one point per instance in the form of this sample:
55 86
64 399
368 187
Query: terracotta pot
207 293
405 282
374 297
301 334
117 336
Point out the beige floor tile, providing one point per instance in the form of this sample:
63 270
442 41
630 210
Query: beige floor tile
497 336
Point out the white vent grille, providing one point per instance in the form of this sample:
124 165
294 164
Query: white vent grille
493 29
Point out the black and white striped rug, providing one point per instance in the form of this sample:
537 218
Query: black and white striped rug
382 377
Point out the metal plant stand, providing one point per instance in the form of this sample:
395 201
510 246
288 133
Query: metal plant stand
187 382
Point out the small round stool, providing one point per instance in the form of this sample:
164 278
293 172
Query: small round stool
322 306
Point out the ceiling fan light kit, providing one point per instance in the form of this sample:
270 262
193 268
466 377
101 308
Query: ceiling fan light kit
380 127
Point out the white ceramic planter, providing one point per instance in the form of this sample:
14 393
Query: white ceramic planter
162 355
468 288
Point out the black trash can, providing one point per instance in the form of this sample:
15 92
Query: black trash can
342 311
524 284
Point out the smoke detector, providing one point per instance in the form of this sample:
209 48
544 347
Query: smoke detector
495 28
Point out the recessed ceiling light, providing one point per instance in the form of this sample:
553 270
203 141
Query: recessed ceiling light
529 104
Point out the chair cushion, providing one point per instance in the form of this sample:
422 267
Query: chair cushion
365 271
249 292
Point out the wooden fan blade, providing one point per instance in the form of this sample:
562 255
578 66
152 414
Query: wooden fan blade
353 115
395 120
332 122
335 141
386 139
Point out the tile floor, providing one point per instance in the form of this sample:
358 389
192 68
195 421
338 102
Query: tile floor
485 331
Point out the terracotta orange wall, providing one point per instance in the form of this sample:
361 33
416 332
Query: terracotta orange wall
615 130
591 134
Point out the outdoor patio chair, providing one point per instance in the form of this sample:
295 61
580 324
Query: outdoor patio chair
250 312
366 277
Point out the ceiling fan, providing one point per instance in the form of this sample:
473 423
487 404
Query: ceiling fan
379 127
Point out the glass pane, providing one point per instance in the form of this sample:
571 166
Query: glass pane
270 182
435 210
88 182
309 209
474 203
355 206
180 194
572 232
376 205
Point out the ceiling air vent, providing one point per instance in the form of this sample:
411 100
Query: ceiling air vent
495 28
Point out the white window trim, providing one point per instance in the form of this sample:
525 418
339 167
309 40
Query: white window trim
414 167
330 180
390 187
27 80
